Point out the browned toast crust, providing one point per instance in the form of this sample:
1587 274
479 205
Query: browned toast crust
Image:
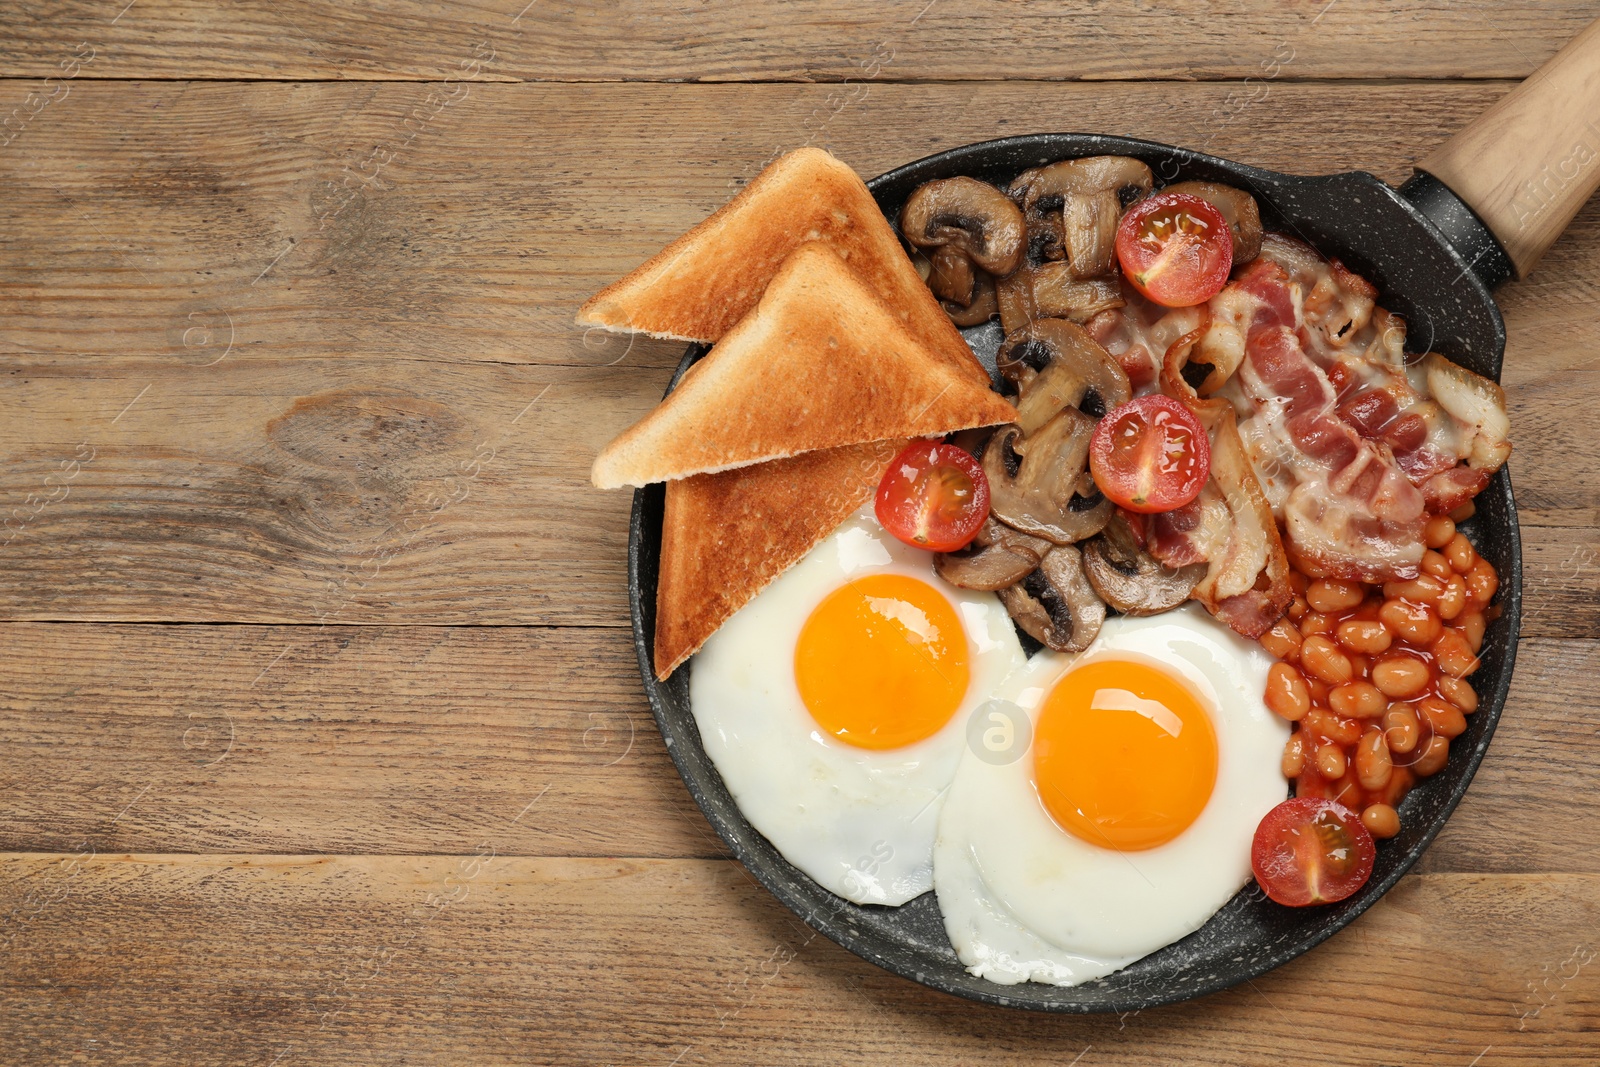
703 283
819 363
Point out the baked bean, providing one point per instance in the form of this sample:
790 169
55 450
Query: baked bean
1294 755
1401 728
1460 553
1287 695
1442 718
1283 641
1482 582
1315 622
1411 622
1438 532
1400 783
1298 582
1318 690
1459 693
1464 512
1373 765
1472 625
1433 757
1436 565
1454 600
1322 658
1320 722
1328 595
1381 820
1453 652
1401 676
1357 700
1361 666
1331 762
1298 608
1423 589
1368 636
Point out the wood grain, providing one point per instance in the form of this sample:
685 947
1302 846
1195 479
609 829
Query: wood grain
384 740
363 452
801 40
490 959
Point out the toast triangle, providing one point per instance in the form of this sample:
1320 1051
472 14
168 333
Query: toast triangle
703 283
818 364
726 536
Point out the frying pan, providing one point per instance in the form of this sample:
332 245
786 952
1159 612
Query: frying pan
1481 209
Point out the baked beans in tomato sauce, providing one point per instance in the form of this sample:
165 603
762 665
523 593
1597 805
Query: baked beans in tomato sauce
1375 677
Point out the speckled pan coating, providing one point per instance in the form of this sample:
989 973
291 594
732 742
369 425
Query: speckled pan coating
1445 298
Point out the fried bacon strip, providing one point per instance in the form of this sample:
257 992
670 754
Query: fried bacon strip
1229 526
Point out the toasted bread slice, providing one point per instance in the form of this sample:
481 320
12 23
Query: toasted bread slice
726 536
703 283
819 363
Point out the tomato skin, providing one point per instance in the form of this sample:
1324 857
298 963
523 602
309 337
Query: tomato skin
1175 248
1310 850
1150 455
933 496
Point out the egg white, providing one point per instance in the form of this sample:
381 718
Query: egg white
860 822
1024 900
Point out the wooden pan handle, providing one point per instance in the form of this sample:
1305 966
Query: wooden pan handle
1528 164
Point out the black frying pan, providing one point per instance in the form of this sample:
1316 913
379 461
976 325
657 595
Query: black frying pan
1434 262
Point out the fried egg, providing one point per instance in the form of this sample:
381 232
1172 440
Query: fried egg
835 706
1121 816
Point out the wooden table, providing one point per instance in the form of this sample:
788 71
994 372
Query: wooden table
321 737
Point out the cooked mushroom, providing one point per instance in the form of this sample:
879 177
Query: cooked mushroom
1015 295
1070 369
1238 207
973 216
1034 479
1058 293
1091 194
1056 604
982 308
1130 579
999 556
950 275
1046 233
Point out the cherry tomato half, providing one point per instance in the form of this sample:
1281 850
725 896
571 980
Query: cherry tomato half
1150 454
933 496
1311 851
1175 248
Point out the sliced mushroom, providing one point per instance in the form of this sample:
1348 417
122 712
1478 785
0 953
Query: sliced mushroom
1058 293
1089 225
1090 195
1238 207
983 307
1015 295
1046 230
1034 479
1056 604
971 215
998 557
950 275
1130 579
1070 369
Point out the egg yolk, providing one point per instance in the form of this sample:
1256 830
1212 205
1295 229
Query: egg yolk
1124 756
882 662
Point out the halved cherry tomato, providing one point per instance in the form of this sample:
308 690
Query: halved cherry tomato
933 496
1150 454
1311 851
1175 248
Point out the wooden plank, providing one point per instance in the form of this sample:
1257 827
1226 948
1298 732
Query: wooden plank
352 739
409 739
489 959
803 40
211 422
